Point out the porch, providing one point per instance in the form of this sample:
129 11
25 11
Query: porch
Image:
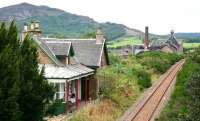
75 85
74 93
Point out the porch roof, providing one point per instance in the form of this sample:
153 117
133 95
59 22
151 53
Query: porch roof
69 72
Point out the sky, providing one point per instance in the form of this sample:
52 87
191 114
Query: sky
160 15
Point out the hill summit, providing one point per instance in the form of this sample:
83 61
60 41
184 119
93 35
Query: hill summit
58 22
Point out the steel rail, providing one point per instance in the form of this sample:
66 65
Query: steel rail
177 65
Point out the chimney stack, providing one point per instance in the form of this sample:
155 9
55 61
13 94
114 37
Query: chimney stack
146 38
25 27
32 25
33 29
99 36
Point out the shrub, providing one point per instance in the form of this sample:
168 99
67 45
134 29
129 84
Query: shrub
196 55
144 80
159 61
108 83
114 59
56 108
193 88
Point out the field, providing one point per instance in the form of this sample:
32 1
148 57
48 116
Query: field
124 42
190 45
135 41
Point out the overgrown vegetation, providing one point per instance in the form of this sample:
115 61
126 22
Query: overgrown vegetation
122 82
160 62
185 102
23 89
104 110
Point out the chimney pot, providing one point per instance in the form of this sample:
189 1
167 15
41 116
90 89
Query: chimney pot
32 26
25 27
99 36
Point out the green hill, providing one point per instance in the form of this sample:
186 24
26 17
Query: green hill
58 22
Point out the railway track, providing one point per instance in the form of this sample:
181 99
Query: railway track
147 109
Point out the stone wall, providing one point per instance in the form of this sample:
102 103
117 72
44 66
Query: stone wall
43 58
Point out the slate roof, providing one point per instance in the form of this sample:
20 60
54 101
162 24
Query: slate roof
60 49
172 42
87 52
43 46
158 42
60 71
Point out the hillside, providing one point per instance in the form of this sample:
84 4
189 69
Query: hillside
188 35
58 22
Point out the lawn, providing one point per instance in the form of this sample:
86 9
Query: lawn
124 42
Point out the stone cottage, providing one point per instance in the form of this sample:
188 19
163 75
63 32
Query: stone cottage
70 64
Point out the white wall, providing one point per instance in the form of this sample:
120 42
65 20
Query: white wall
56 80
73 85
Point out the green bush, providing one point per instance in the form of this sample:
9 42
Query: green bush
193 89
159 61
56 108
196 55
114 59
144 80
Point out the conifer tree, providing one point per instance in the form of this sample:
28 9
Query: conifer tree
12 36
9 85
3 34
23 89
35 91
